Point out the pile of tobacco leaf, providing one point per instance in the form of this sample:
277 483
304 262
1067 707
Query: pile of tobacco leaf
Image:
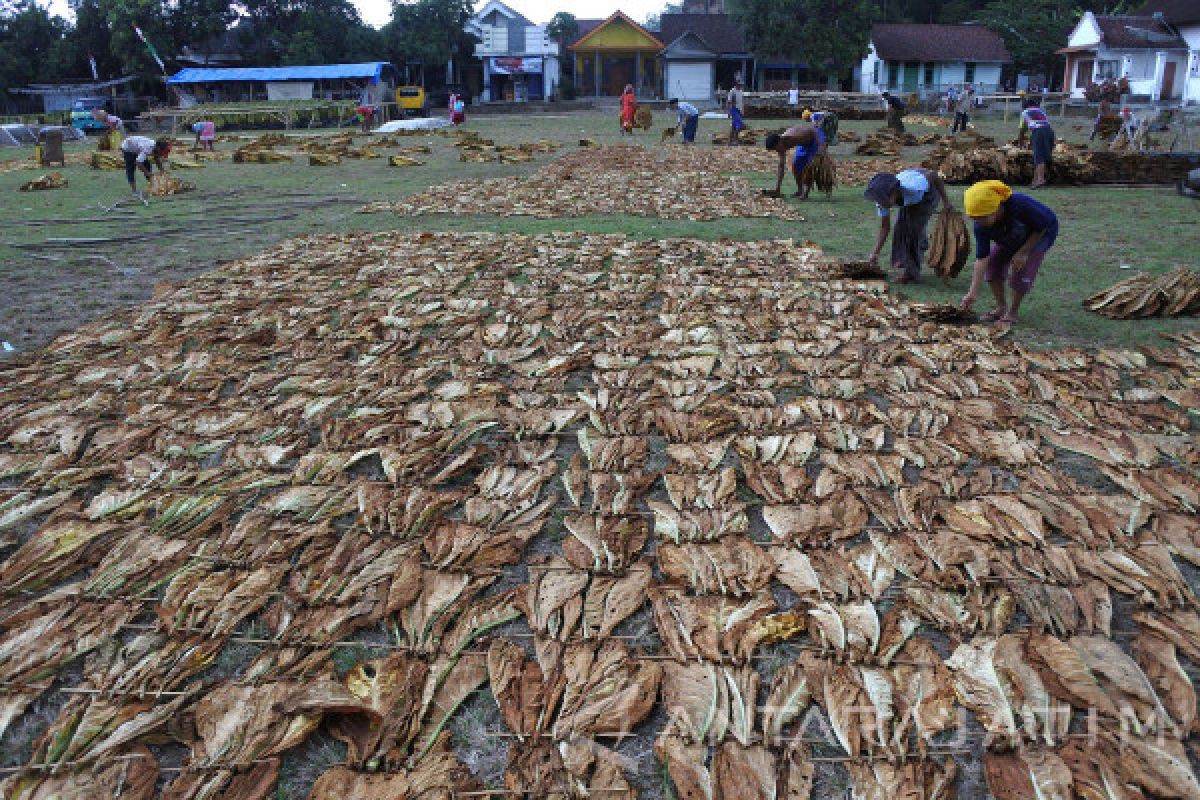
679 183
699 510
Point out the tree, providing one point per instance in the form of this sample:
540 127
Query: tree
429 33
654 19
305 31
564 29
829 35
30 43
1032 30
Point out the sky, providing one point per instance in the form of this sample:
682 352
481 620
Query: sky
378 12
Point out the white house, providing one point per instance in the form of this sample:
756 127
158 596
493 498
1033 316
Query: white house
1145 49
931 58
520 62
1184 17
704 52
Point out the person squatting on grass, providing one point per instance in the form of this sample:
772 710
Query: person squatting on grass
809 143
916 192
1012 234
689 119
139 151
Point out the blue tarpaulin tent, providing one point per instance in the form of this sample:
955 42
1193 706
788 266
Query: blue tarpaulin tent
371 71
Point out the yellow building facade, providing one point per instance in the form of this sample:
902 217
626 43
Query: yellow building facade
616 53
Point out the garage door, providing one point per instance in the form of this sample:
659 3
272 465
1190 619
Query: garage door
689 81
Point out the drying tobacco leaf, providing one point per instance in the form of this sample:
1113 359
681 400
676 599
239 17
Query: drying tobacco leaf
729 566
607 691
707 702
928 780
132 778
603 543
713 627
438 774
526 696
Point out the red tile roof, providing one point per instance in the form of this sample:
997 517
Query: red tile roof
913 42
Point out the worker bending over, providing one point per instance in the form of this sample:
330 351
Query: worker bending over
139 152
809 143
1012 234
1036 125
916 192
689 119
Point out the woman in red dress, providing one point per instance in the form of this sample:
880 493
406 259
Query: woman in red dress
628 107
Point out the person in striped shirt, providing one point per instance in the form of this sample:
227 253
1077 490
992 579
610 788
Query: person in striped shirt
1036 125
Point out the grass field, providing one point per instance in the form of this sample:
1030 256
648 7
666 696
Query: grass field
240 209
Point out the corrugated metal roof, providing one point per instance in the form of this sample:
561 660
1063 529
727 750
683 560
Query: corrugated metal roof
318 72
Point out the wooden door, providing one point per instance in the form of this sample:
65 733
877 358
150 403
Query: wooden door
1168 81
911 73
1083 72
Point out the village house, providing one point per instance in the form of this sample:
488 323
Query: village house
520 61
614 52
704 53
928 59
1144 49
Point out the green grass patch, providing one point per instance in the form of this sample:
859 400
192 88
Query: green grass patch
1103 229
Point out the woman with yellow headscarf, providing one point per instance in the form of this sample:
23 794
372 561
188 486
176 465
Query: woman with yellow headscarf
1012 234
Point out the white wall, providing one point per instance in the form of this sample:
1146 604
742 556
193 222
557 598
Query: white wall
550 76
945 74
1087 32
866 72
1191 35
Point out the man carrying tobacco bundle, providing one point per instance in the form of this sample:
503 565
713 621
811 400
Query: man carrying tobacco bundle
809 143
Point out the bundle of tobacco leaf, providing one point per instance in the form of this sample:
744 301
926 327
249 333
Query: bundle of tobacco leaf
1174 294
860 271
323 159
163 184
1011 164
106 161
820 173
949 244
54 180
643 117
887 142
250 155
109 141
944 314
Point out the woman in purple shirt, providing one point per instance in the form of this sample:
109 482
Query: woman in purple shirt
1012 234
